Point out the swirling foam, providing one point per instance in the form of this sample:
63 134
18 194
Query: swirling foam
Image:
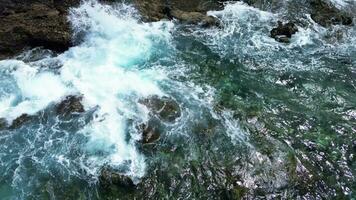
106 68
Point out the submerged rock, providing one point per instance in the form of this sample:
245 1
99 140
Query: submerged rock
18 122
150 132
110 177
270 5
283 32
3 123
166 108
71 104
326 14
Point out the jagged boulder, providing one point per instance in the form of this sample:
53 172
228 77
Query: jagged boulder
167 109
18 122
33 23
194 18
192 12
71 104
3 123
283 32
327 14
110 177
150 132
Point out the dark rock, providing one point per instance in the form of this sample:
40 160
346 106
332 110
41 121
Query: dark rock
326 14
192 12
18 122
270 5
166 108
283 32
110 177
3 123
34 23
150 132
237 192
71 104
194 18
153 10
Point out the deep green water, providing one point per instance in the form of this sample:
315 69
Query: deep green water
260 119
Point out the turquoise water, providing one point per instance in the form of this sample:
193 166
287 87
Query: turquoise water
260 119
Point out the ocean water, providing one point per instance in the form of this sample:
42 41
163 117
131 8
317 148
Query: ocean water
259 119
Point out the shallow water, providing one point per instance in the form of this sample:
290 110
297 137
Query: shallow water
260 119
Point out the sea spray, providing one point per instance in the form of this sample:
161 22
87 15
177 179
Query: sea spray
246 31
252 123
108 69
105 70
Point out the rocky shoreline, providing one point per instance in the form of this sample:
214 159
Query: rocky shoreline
29 24
33 23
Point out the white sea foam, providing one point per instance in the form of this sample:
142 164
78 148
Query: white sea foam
246 32
35 90
341 3
105 69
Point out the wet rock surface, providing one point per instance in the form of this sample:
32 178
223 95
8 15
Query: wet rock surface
34 23
270 5
3 123
194 18
214 168
18 122
28 24
326 14
150 132
283 32
165 108
44 23
71 104
323 12
110 177
192 12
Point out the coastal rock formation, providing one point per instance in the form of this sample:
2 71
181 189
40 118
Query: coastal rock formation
323 12
110 177
18 122
326 14
283 32
71 104
150 132
3 123
33 23
165 108
192 12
